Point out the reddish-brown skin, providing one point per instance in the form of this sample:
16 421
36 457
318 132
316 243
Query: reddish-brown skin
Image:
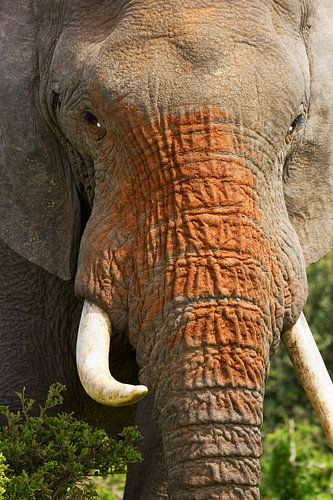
198 281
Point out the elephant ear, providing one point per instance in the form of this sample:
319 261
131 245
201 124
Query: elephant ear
39 207
309 184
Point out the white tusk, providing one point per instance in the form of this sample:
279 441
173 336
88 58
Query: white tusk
312 373
92 359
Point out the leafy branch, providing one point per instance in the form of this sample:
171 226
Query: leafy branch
53 457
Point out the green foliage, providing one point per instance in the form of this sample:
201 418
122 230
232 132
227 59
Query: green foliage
297 465
319 307
284 395
3 478
309 474
54 457
111 487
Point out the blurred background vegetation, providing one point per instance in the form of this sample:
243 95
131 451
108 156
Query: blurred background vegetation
297 463
111 488
284 396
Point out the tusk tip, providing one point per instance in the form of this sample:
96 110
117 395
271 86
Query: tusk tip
138 392
130 394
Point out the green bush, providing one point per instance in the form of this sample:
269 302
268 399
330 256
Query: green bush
110 488
284 395
3 478
311 475
55 457
297 464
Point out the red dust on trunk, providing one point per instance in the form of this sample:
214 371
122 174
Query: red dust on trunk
179 219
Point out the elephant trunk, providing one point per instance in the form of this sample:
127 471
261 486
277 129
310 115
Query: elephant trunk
222 465
219 460
206 303
209 401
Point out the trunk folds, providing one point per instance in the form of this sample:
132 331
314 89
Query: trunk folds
207 283
209 407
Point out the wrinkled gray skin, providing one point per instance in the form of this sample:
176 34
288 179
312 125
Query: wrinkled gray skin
201 197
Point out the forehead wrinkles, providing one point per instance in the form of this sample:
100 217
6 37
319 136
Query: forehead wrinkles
129 25
172 19
187 57
198 34
162 19
295 13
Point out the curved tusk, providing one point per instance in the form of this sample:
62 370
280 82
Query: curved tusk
312 373
92 359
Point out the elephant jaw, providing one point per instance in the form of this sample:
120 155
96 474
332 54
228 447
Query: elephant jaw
312 373
92 359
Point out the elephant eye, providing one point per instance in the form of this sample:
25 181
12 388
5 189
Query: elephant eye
300 120
55 102
91 119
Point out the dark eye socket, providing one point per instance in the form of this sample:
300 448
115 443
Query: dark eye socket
299 120
55 102
91 119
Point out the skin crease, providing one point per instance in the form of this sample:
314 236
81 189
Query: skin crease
178 119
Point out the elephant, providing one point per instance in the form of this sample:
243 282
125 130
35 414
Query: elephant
166 177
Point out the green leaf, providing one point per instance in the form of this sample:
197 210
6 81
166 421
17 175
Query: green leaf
54 457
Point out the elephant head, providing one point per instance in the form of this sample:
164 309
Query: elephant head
189 144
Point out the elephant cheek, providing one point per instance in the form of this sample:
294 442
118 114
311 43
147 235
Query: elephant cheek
105 265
